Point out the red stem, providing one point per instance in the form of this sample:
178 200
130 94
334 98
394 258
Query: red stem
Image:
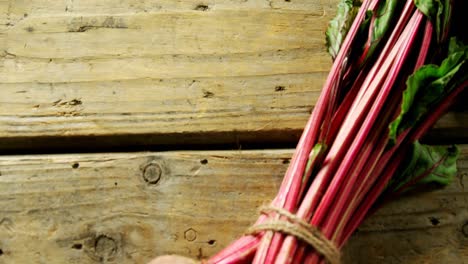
426 43
343 140
356 147
269 247
345 177
418 131
362 210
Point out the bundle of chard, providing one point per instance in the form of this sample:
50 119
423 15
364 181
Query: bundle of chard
396 70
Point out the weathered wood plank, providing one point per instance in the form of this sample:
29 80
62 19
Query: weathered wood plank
159 106
82 68
238 70
44 7
98 208
150 35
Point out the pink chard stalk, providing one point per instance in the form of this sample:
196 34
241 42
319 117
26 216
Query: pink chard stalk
395 72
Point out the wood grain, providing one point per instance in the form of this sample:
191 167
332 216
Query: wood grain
86 74
155 72
113 208
170 68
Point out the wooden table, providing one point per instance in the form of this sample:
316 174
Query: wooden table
190 110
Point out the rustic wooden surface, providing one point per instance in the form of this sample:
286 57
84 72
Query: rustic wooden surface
82 74
107 208
162 71
80 68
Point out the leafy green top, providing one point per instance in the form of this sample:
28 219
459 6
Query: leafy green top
439 12
425 165
427 86
339 26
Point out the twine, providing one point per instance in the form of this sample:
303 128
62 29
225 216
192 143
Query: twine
295 226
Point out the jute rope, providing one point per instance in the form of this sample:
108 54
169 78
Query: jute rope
295 226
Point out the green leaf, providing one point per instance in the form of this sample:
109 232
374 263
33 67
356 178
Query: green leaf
340 25
426 165
317 150
457 46
427 7
438 12
446 20
383 17
426 87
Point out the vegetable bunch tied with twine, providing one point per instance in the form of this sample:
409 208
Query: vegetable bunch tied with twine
396 70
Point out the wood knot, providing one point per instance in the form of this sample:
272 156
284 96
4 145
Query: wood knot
105 248
152 173
190 234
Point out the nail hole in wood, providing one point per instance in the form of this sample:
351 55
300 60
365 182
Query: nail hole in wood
279 88
207 94
204 161
434 221
75 165
465 229
77 246
201 7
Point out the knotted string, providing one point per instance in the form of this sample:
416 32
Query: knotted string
297 227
